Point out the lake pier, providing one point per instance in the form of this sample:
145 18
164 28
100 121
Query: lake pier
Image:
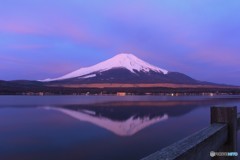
217 141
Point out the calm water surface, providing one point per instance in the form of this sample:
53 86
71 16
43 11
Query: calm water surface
99 127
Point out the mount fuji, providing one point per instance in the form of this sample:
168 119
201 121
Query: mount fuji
123 69
121 73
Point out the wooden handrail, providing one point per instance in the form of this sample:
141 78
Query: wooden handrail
221 135
190 147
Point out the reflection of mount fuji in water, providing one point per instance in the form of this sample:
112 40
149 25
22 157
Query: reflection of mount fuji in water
122 128
129 117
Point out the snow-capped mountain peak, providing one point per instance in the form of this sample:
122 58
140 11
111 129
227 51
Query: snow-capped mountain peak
123 60
132 63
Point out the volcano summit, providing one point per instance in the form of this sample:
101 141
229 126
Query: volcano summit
124 68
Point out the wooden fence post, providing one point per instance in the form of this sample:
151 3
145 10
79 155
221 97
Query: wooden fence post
226 115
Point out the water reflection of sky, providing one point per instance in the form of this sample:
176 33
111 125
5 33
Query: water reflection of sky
40 133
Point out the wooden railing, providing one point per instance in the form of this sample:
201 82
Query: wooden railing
220 136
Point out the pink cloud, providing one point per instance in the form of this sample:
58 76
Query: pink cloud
28 67
26 47
11 59
18 27
55 25
81 33
217 56
58 67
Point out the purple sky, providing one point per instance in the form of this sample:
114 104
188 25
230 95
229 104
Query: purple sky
46 39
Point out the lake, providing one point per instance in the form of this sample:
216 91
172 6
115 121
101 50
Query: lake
99 127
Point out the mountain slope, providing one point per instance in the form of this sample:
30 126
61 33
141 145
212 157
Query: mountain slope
121 61
124 69
122 75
